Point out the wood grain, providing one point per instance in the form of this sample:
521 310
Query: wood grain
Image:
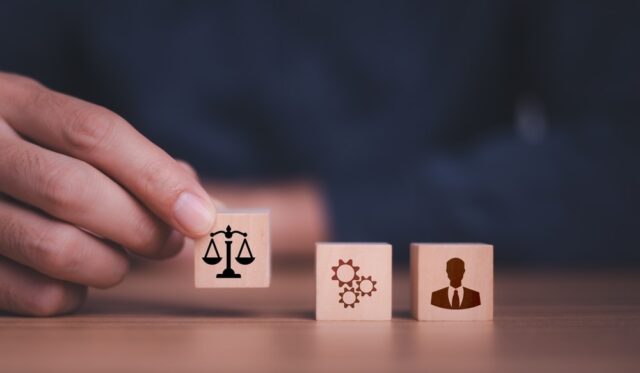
156 321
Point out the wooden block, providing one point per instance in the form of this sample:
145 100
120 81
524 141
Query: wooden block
237 251
353 281
439 271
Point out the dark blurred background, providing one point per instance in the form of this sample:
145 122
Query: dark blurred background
508 122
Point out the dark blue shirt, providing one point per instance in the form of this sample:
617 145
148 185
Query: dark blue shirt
508 122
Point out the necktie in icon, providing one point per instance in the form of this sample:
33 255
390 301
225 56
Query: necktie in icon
455 301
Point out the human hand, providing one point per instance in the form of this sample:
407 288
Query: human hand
77 182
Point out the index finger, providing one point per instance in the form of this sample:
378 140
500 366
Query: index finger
108 142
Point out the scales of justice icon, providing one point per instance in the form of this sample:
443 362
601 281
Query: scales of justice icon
244 260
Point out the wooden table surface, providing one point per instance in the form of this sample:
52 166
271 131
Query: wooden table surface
156 321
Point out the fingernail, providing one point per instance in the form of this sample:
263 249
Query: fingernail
193 214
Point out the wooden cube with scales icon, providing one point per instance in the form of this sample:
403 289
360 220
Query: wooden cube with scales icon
353 281
236 252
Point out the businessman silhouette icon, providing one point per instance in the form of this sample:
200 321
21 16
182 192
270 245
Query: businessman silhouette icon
454 296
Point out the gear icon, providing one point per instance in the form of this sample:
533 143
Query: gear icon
349 297
345 273
366 286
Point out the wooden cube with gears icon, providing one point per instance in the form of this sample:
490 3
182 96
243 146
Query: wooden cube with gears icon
452 281
353 281
237 251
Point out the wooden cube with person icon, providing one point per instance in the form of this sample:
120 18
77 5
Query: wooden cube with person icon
452 281
237 251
